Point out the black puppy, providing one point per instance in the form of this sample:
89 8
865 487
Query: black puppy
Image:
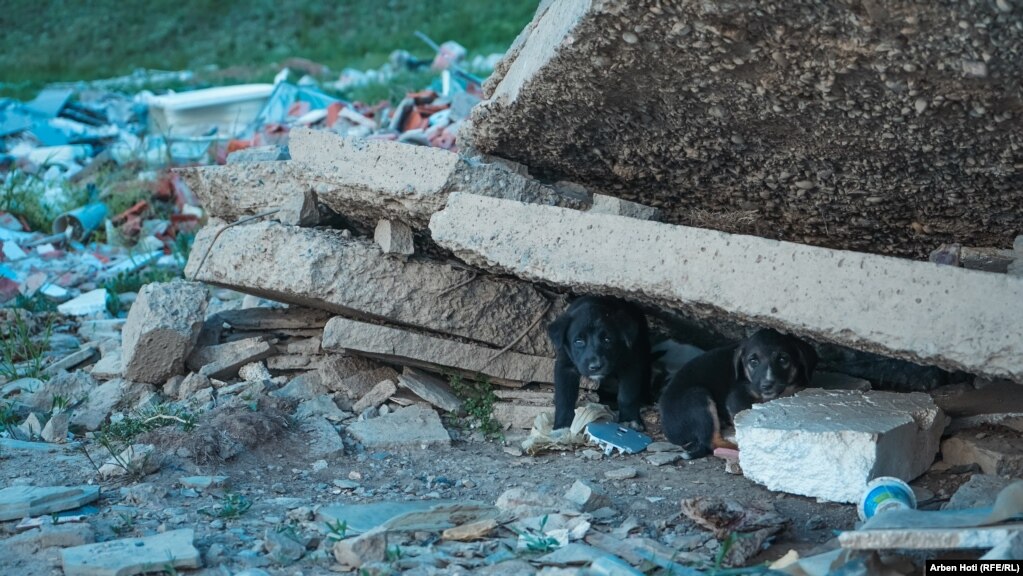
721 383
608 341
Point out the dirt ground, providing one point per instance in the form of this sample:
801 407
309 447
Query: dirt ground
284 487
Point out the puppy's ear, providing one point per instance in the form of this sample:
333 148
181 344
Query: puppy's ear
557 331
807 359
737 363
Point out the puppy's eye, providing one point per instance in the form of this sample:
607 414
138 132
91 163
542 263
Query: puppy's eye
579 342
607 339
753 362
783 361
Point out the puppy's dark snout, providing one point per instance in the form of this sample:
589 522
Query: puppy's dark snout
594 365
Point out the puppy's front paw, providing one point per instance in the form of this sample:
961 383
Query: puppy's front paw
634 424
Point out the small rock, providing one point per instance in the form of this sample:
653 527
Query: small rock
587 496
283 546
49 536
662 458
192 384
324 439
300 209
394 237
23 501
254 372
352 553
162 327
415 425
732 466
56 429
319 465
31 427
663 447
137 459
471 531
376 396
204 482
621 473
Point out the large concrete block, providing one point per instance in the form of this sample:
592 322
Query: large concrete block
414 426
322 269
365 180
750 118
162 327
917 311
416 349
830 444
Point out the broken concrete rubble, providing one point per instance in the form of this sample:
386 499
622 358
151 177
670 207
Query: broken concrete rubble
829 444
161 328
366 180
705 128
394 237
322 269
172 549
24 501
430 388
376 396
386 343
711 272
998 451
415 426
223 361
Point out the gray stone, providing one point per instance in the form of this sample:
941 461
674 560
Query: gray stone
431 351
72 386
302 387
830 444
162 327
254 372
23 501
129 556
191 384
394 237
376 396
786 286
430 388
324 441
137 459
621 473
663 458
616 206
522 502
300 209
979 492
48 536
291 264
587 497
356 386
31 427
998 452
204 482
101 401
223 361
413 426
56 428
322 406
282 547
68 362
555 103
663 447
108 367
519 416
352 553
471 530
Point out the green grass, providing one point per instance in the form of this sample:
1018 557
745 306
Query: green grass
55 40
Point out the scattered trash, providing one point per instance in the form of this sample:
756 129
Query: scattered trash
610 437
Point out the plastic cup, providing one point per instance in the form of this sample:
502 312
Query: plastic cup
885 493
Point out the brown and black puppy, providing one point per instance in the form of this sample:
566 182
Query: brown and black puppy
608 341
721 383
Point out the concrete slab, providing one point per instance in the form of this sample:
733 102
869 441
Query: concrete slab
322 269
222 361
366 180
430 388
929 538
162 326
758 122
376 396
430 515
412 427
830 444
22 501
891 306
128 556
394 237
412 348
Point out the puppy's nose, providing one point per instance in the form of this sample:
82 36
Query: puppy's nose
769 375
595 365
